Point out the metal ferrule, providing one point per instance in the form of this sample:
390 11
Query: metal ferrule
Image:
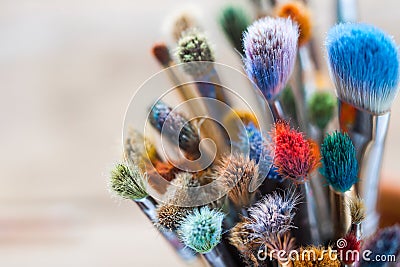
276 110
346 10
368 133
340 212
356 229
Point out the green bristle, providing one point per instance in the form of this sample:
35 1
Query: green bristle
321 109
234 21
126 183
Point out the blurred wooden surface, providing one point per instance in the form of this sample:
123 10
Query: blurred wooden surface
68 70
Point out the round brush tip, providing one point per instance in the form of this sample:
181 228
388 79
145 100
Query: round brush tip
161 53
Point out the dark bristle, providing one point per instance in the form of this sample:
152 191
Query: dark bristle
161 53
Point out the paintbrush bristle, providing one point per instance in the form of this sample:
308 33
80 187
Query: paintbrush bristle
183 22
161 52
172 123
234 21
270 46
300 14
280 208
317 256
364 65
252 137
339 161
321 109
281 242
295 156
170 216
127 183
138 149
239 237
351 245
357 210
235 173
201 230
193 47
383 244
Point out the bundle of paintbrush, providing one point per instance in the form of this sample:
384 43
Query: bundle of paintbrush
277 182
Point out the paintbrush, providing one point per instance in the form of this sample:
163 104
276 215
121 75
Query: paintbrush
129 183
270 46
270 216
340 168
364 66
161 52
295 159
202 231
279 243
195 50
234 21
302 81
382 249
251 140
197 107
347 249
321 107
183 20
239 237
234 173
179 130
346 11
357 213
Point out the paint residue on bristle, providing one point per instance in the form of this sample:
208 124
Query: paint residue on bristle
321 109
270 47
201 230
127 183
295 156
350 245
364 65
339 162
193 47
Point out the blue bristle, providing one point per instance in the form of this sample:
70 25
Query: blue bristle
384 243
159 114
364 65
270 47
201 230
339 162
254 138
172 123
259 150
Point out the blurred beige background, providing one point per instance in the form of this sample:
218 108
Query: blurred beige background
67 72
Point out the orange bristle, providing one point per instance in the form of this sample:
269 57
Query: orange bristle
299 13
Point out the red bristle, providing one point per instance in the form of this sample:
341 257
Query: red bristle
161 52
295 156
347 252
